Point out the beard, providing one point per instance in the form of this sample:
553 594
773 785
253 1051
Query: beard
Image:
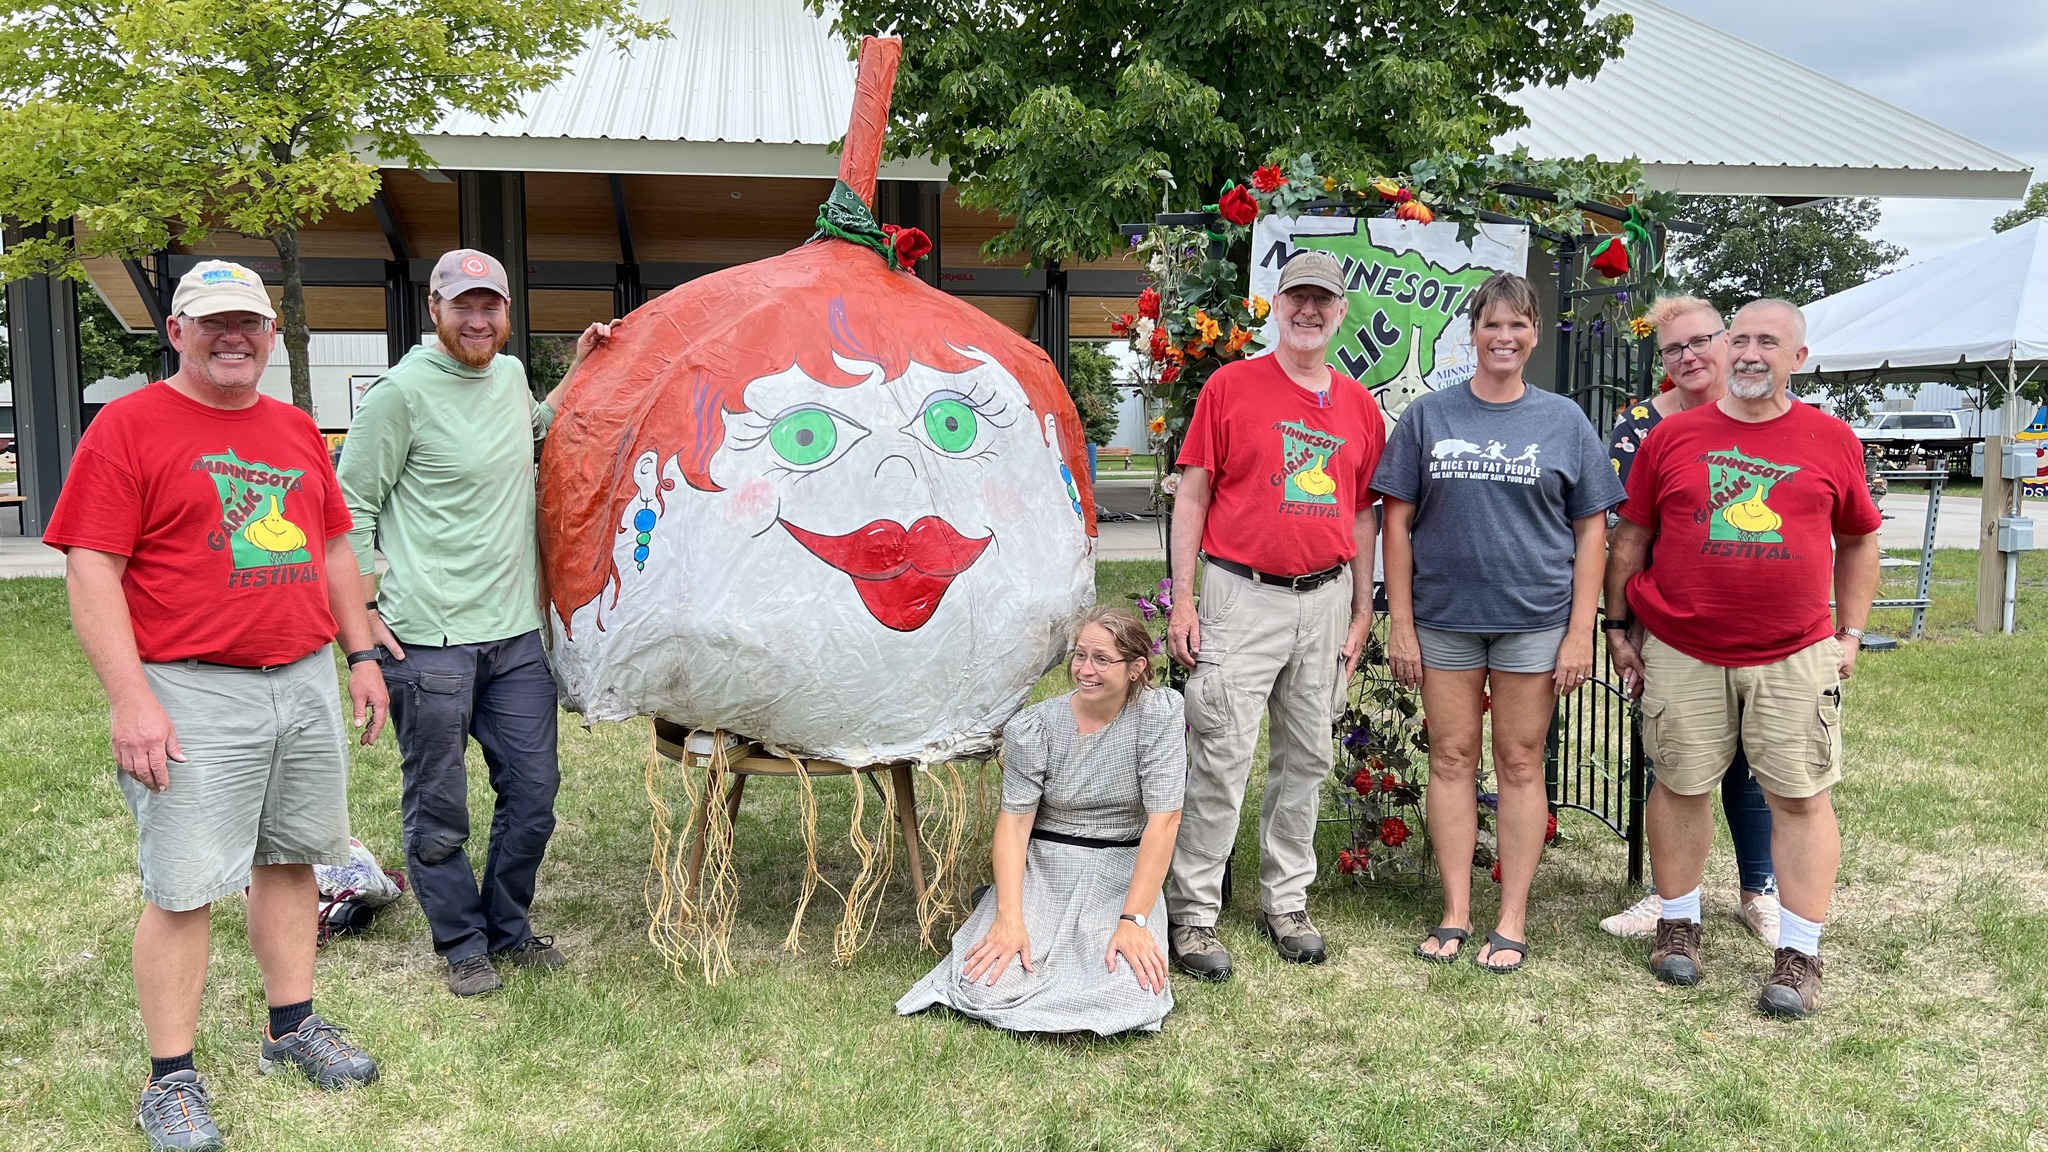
1745 386
450 333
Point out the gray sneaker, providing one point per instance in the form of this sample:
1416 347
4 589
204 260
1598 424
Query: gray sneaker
534 952
175 1114
318 1049
473 976
1198 952
1293 935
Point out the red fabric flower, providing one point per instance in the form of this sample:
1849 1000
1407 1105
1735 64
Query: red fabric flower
911 244
1169 374
1665 385
1486 701
1159 343
1611 258
1550 830
1393 831
1268 178
1148 304
1389 782
1414 210
1496 871
1345 862
1237 206
1363 781
1121 326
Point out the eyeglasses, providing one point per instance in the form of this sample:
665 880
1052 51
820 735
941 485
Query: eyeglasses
1099 663
1698 346
215 326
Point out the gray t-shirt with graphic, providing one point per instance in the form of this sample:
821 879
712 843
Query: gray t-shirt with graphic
1495 488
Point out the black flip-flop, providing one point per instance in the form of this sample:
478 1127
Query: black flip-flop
1499 944
1444 936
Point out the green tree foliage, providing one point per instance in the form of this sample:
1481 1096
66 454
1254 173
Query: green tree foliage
1059 113
153 122
2034 207
1753 248
1091 381
105 347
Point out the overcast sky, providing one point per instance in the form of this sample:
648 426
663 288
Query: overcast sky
1978 67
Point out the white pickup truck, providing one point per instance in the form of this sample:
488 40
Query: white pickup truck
1905 429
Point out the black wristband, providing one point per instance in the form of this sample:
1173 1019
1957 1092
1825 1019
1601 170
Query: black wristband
1617 624
363 657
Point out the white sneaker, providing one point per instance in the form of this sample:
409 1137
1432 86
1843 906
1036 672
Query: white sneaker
1760 916
1638 919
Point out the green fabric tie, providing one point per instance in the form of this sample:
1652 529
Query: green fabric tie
845 215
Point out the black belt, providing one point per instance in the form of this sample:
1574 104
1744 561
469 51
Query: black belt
238 667
1308 583
1080 841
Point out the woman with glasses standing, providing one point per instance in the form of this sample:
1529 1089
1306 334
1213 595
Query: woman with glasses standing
1072 935
1695 349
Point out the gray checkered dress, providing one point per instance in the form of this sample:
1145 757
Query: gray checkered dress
1100 786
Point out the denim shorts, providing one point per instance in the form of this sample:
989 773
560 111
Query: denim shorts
1500 651
264 779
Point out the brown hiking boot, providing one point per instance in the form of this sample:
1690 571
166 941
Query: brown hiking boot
1198 951
1676 958
1794 987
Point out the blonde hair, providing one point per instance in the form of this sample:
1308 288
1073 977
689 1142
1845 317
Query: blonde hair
1127 634
1505 290
1668 308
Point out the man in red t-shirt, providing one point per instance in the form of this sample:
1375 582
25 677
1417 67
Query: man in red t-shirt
1758 508
1275 474
208 563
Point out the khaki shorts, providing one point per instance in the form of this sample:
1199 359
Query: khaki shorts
1787 716
264 779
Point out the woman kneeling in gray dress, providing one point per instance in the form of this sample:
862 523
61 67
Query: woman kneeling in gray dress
1092 785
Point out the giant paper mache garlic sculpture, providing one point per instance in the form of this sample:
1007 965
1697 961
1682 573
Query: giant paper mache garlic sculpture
815 502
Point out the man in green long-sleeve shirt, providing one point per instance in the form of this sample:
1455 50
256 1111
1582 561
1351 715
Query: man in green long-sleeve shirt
438 472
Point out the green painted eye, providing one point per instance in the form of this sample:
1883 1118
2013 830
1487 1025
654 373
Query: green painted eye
805 436
951 425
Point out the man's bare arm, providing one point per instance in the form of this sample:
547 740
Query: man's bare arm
144 742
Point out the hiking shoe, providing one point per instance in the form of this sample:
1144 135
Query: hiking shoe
1638 919
1794 987
534 952
175 1114
1198 952
1293 936
473 976
1676 957
318 1049
1760 916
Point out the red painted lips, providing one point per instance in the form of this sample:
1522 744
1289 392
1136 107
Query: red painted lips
900 573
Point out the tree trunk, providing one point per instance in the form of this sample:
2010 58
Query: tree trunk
297 339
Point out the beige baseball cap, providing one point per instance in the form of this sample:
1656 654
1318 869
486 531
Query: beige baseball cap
1309 268
216 286
466 268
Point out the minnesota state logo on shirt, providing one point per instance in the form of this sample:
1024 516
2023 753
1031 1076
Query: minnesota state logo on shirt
1738 493
255 526
1306 456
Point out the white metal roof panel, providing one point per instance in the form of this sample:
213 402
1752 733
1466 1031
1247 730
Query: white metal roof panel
1692 101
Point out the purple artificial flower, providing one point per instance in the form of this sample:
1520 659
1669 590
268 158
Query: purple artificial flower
1622 297
1358 739
1166 585
1146 609
1490 799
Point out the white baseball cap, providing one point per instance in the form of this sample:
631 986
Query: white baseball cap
466 268
216 286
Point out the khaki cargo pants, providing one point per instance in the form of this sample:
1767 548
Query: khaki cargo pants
1263 649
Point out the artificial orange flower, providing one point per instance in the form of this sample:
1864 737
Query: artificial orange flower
1207 326
1156 426
1259 307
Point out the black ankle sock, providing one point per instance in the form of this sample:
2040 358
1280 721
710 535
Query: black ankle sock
285 1020
160 1067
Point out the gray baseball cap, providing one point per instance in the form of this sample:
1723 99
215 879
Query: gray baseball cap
466 268
1309 268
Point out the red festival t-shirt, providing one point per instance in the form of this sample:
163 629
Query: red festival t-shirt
1745 517
1289 468
224 516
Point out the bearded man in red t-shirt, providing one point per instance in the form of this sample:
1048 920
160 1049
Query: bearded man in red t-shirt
1274 494
1759 510
206 553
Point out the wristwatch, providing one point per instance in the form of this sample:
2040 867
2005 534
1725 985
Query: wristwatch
1855 632
1134 918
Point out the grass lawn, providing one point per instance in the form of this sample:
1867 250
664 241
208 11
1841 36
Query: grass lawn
1931 1035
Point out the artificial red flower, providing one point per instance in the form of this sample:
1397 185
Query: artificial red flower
1486 701
1611 258
1414 210
1665 385
911 244
1268 178
1237 206
1344 861
1169 374
1121 326
1393 831
1389 782
1550 830
1148 303
1496 871
1160 343
1363 781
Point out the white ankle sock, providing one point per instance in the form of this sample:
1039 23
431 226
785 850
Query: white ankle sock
1686 907
1798 933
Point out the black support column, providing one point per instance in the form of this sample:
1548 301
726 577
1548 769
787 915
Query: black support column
42 337
1053 319
494 220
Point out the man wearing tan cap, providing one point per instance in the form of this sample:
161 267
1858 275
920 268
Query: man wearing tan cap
439 474
206 556
1274 495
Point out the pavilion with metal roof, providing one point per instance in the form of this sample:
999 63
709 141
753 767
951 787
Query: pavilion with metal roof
647 166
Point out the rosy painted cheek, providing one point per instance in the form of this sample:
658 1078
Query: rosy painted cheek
752 502
1001 502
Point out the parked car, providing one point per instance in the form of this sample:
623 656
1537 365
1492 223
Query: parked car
1903 428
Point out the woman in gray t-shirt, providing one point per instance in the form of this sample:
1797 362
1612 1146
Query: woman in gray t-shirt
1494 543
